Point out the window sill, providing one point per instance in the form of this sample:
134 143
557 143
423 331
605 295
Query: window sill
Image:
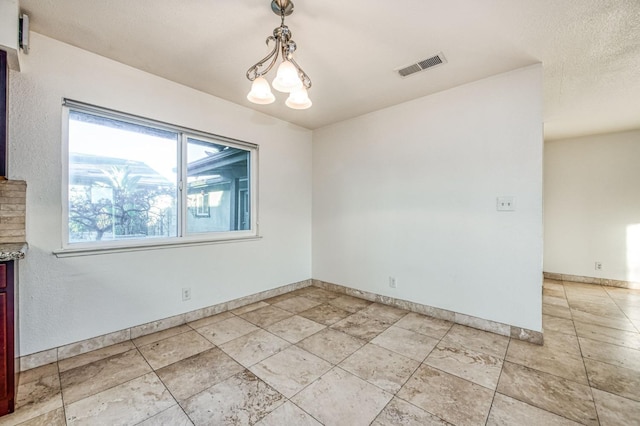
92 251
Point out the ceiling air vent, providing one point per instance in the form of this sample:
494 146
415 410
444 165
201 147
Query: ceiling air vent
422 65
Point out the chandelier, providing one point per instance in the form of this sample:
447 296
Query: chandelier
290 78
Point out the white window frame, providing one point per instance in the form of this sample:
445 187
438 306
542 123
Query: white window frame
202 208
182 238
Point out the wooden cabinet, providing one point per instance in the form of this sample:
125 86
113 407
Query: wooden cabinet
7 334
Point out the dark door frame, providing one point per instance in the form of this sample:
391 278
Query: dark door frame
4 75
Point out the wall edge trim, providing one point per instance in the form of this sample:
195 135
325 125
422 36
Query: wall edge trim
591 280
514 332
60 353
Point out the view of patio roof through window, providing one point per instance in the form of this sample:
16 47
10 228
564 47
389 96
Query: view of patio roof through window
131 179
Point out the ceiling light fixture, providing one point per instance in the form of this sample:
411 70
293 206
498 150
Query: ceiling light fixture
290 78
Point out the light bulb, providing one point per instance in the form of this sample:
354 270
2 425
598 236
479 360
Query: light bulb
261 92
298 99
287 78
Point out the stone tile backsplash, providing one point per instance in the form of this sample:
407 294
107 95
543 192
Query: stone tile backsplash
13 195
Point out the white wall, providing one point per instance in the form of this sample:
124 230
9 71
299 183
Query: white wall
9 28
592 206
70 299
410 191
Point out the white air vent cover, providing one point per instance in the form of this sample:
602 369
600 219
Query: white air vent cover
421 65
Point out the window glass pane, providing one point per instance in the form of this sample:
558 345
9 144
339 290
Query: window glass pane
217 187
122 180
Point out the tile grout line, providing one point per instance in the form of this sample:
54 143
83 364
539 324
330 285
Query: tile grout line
103 359
247 368
427 365
584 365
573 321
420 364
64 407
543 372
120 384
596 340
137 349
168 390
337 365
495 391
623 312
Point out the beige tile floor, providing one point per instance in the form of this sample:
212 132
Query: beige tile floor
314 357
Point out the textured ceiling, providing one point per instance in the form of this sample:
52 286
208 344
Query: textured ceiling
590 50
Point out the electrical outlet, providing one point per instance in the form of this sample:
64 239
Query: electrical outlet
598 266
186 294
506 204
393 283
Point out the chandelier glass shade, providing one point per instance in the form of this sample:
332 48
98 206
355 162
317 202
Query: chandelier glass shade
290 78
261 92
298 99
